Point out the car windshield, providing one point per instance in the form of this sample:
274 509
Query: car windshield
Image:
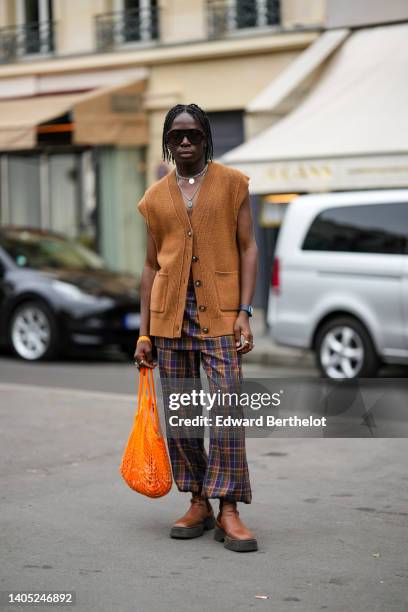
38 251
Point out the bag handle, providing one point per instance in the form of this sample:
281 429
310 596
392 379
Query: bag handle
141 386
153 388
141 391
149 386
153 398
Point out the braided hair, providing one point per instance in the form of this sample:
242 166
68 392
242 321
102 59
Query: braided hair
201 117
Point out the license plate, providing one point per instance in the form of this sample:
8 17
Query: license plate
131 320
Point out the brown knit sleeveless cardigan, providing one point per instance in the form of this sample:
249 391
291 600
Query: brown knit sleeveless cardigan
206 241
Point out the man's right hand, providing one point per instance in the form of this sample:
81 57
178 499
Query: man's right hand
143 355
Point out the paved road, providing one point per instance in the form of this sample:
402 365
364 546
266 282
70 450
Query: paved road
331 515
110 372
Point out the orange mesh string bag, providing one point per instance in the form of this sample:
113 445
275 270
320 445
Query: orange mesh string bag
145 463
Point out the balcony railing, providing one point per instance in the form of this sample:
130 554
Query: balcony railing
27 39
227 16
121 27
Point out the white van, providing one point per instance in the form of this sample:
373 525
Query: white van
340 280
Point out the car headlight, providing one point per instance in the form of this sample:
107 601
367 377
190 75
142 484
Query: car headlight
73 293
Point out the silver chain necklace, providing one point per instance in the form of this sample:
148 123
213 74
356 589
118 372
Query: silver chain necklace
190 199
191 179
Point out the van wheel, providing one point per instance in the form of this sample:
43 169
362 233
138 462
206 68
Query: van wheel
33 332
344 349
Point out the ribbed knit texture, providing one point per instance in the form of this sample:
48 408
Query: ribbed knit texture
213 228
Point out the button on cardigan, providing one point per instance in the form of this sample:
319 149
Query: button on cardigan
205 242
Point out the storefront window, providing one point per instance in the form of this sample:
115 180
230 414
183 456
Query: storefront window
24 190
63 175
52 191
227 130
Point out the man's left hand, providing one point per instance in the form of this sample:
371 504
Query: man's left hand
242 329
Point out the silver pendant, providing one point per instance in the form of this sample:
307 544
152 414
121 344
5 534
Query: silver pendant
191 181
190 204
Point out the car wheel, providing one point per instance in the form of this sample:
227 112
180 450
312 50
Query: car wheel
33 331
344 349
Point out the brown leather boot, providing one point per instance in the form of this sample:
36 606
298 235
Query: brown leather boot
231 530
198 518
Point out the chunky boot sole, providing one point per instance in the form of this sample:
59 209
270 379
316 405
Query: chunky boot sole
186 533
235 545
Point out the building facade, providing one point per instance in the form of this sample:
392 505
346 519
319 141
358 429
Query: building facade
85 86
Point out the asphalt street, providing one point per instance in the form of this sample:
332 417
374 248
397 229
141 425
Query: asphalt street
110 371
330 515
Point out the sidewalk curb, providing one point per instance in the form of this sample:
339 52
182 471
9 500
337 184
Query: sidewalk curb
266 352
279 359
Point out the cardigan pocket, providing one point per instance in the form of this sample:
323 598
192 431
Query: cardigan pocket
228 290
158 294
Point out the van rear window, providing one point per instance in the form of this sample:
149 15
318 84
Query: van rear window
368 228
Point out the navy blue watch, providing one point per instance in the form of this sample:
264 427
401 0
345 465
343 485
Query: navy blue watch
248 308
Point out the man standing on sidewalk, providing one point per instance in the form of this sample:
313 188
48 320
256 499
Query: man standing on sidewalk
196 291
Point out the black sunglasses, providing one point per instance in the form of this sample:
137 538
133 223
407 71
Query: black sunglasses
175 137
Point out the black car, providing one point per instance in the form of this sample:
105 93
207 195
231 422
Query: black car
55 293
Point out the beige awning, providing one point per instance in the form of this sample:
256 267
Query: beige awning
297 72
110 116
19 118
115 115
351 130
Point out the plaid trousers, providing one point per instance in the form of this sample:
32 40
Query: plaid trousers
223 471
